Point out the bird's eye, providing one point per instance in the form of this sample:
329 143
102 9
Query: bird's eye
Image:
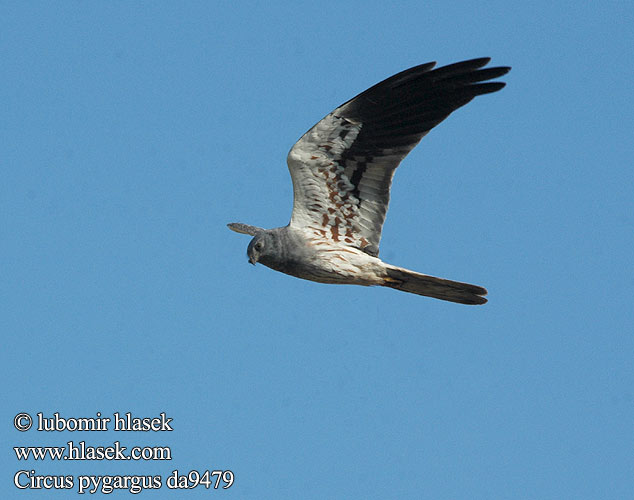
258 246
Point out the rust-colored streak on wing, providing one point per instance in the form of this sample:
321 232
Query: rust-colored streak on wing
339 219
334 231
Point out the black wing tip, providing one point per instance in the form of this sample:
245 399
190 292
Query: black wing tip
470 70
425 66
472 76
492 73
468 64
475 63
489 87
472 66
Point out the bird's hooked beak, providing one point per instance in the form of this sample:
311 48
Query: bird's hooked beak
252 260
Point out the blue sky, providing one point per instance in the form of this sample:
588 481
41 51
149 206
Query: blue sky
132 132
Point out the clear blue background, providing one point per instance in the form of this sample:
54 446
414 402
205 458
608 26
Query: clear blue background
131 132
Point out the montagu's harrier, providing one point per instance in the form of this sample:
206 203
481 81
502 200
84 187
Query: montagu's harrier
342 170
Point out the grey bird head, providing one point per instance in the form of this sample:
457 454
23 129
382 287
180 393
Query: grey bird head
257 247
268 248
263 247
274 248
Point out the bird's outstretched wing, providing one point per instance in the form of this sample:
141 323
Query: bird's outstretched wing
239 227
342 168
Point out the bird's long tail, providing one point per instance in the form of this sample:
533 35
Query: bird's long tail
430 286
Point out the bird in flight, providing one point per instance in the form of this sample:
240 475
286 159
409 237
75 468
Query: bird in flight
342 170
